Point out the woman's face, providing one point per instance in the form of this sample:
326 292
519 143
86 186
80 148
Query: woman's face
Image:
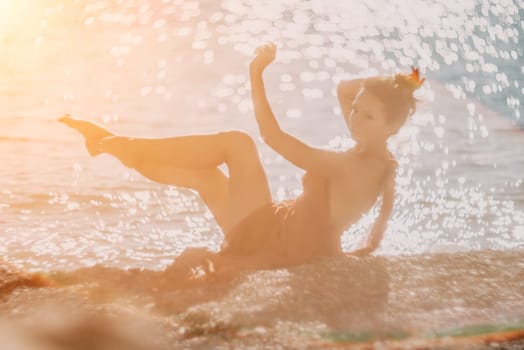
367 120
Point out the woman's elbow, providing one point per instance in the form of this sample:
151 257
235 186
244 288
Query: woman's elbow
340 89
343 88
265 139
269 136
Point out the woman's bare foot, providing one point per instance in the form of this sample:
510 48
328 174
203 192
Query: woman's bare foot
92 132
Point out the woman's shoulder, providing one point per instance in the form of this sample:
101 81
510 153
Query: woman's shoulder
386 160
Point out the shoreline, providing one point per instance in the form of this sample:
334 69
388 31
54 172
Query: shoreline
325 304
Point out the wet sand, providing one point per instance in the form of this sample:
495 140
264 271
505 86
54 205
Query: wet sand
330 303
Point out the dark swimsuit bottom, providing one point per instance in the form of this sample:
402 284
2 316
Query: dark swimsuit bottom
261 232
269 229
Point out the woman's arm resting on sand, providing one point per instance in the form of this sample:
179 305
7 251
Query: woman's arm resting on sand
379 227
297 152
347 90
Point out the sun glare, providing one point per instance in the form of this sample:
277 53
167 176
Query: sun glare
15 14
7 14
5 6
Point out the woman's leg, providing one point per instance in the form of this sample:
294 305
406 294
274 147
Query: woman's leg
211 184
92 132
247 185
191 161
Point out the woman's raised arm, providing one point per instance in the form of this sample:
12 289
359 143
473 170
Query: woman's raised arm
266 120
297 152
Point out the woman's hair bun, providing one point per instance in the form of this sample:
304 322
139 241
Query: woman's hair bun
411 81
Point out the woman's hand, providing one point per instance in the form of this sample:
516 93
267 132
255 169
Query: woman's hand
265 54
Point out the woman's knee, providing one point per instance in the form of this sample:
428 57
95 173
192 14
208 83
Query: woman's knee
238 138
240 144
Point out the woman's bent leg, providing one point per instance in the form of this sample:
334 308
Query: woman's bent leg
191 161
248 188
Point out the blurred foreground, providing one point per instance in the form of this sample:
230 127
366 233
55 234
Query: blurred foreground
407 302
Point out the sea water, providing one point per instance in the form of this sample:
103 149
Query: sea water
166 68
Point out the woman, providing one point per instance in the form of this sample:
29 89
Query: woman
339 187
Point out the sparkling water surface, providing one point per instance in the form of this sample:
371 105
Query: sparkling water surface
161 68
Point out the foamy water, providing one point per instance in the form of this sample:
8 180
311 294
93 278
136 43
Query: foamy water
159 68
